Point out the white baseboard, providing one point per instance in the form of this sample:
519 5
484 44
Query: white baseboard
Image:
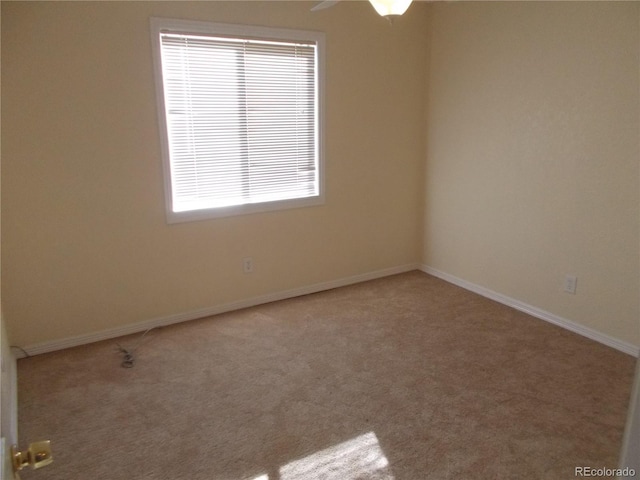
45 347
625 347
75 341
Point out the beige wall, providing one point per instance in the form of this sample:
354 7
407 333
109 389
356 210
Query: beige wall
532 167
533 155
85 245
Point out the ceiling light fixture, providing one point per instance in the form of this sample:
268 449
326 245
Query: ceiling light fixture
390 8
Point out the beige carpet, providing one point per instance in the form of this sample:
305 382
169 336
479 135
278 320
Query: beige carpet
405 377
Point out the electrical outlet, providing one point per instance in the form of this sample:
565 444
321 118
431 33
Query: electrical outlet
247 264
570 283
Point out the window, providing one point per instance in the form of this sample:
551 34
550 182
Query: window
240 117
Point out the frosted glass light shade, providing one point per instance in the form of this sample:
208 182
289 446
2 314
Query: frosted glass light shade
390 7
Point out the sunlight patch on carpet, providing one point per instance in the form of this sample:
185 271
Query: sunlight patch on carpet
358 458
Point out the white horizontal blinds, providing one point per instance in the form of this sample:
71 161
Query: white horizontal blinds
241 118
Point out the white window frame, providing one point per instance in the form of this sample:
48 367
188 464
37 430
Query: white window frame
163 25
